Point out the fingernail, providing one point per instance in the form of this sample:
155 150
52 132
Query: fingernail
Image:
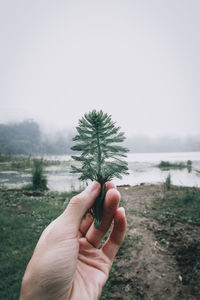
93 186
122 210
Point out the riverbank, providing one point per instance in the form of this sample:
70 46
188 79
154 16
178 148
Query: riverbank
159 259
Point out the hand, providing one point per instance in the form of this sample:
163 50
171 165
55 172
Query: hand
67 262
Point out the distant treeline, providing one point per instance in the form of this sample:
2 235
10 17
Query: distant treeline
27 138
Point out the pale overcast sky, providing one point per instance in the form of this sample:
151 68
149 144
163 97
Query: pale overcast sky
136 60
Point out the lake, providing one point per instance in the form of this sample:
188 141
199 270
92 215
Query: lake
142 169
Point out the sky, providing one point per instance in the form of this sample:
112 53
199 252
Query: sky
137 60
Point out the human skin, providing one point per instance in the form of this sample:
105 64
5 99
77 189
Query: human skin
68 262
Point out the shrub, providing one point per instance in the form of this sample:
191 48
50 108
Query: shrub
168 182
189 166
169 165
39 180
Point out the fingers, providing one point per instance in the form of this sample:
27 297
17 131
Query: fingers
117 235
110 185
86 223
80 203
94 235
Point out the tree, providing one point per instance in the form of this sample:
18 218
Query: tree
101 158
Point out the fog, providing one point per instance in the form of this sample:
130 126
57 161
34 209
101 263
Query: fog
29 138
136 60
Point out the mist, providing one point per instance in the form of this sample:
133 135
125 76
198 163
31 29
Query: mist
136 60
31 138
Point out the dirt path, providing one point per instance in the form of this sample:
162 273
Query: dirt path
155 259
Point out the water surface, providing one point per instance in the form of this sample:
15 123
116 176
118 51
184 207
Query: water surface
142 169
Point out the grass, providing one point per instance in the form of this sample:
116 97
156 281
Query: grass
180 209
181 204
25 213
22 163
39 180
175 165
167 183
23 216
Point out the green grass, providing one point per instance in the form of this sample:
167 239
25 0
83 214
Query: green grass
22 162
23 216
167 183
25 213
39 180
175 165
182 204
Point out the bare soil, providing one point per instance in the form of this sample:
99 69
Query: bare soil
159 258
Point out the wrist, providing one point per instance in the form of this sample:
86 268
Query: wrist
26 289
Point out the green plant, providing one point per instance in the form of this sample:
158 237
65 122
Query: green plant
169 165
180 203
189 166
23 217
101 158
39 180
168 182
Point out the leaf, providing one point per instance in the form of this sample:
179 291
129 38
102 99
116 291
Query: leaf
101 157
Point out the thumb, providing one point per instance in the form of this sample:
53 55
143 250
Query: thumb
80 203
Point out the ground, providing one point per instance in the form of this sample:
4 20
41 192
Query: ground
160 258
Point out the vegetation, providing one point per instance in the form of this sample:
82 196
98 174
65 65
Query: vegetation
179 205
29 212
175 165
189 166
182 204
39 180
168 182
27 138
23 217
22 162
178 215
101 158
20 138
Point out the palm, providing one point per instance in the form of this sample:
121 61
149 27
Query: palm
91 272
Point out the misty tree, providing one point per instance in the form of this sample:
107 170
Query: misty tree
20 138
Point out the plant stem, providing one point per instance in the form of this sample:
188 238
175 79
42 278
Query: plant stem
98 157
98 206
